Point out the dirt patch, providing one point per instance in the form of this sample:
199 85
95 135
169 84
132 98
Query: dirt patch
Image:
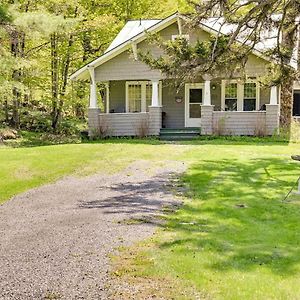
56 240
131 280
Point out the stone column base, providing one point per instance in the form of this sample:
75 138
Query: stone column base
272 119
155 120
207 119
93 121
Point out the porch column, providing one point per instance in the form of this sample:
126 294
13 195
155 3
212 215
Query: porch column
272 113
273 95
94 111
207 95
155 93
207 110
107 96
93 89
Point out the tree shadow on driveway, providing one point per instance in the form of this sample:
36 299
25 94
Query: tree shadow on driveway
135 198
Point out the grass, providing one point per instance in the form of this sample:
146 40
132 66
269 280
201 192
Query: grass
233 238
28 167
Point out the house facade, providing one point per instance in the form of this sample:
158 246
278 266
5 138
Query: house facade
140 101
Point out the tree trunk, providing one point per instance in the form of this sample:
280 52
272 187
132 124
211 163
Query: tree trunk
54 79
86 45
15 117
289 42
15 51
286 107
6 111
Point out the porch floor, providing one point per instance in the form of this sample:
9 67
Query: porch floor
168 134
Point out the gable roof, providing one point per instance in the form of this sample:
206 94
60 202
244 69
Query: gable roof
130 30
110 53
268 38
136 31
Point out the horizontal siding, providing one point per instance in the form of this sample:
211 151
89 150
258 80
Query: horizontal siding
174 112
123 67
255 66
239 123
126 124
117 96
129 124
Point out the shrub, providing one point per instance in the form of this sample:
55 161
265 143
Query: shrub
260 129
142 129
219 126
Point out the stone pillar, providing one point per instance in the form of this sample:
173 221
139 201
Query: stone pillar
272 119
155 120
207 119
93 121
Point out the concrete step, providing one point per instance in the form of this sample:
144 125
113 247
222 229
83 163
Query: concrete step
180 130
168 134
177 138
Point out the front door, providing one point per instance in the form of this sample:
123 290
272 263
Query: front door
193 101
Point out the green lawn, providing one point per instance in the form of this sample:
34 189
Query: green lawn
25 168
232 239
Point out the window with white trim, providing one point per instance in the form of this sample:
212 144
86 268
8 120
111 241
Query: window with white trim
231 96
134 97
250 96
238 96
139 96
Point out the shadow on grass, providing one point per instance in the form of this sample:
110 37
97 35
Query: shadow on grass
236 219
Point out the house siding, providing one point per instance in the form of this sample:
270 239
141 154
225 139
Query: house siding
117 96
124 66
174 112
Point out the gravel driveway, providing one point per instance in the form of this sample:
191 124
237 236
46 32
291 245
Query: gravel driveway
55 240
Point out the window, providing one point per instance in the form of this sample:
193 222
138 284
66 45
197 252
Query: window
231 97
249 96
134 98
195 101
238 96
139 96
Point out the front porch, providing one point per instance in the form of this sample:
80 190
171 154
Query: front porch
216 107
